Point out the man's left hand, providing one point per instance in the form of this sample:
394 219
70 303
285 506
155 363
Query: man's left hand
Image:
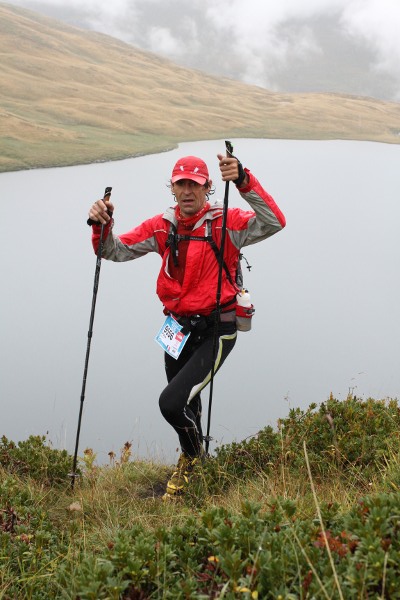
229 167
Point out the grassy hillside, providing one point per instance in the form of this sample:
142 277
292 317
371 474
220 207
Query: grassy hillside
309 510
71 96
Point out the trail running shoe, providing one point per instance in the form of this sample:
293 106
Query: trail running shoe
180 478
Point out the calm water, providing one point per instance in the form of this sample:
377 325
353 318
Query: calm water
326 292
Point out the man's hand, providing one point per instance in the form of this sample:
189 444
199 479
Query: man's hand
230 169
101 211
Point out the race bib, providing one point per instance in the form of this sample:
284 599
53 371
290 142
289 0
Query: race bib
171 338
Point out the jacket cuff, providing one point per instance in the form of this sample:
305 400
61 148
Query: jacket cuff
249 186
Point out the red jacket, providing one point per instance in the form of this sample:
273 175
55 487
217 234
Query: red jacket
197 294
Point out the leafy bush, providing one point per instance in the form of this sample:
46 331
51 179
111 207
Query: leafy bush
33 458
358 435
81 551
270 553
353 433
31 546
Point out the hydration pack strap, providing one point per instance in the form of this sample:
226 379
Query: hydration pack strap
174 238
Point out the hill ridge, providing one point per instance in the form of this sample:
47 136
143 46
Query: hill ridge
71 96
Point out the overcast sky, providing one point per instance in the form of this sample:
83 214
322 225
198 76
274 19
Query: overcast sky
290 45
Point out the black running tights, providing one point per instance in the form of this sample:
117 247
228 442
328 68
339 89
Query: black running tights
180 401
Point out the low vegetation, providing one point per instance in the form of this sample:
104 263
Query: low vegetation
70 96
309 510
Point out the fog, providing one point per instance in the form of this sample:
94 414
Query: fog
343 46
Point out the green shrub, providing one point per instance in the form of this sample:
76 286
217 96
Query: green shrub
35 459
31 546
262 551
353 435
270 553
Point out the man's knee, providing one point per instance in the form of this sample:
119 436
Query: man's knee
167 406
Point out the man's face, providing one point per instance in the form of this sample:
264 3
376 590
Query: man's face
189 195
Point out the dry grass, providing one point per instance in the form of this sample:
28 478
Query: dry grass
70 96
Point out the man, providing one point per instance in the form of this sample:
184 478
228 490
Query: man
188 237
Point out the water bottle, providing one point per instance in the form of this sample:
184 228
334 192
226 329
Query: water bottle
244 310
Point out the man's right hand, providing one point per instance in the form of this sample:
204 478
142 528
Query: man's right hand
101 211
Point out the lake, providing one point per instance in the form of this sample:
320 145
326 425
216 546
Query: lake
326 292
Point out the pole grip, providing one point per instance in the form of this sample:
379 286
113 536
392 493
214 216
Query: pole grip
229 148
107 194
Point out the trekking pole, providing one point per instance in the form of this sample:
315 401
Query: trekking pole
207 438
74 474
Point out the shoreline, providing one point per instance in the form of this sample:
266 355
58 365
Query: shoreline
172 146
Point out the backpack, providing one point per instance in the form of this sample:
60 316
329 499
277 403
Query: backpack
244 308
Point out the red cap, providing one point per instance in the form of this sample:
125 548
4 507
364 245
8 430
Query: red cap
190 167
